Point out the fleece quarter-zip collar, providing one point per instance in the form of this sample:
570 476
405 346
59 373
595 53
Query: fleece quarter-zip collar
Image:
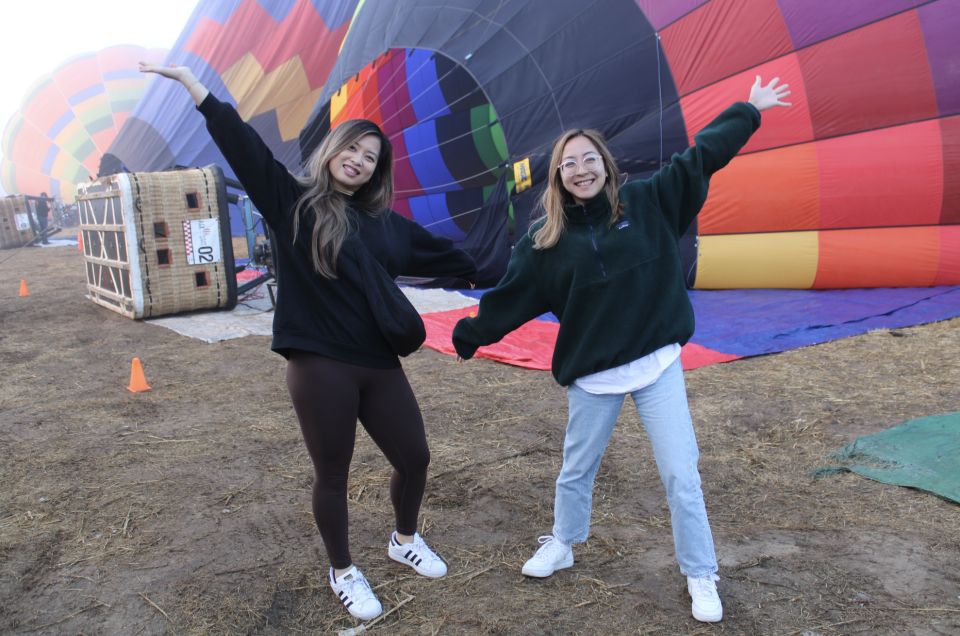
589 212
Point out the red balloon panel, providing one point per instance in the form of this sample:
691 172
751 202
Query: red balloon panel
722 38
869 78
781 126
887 177
950 133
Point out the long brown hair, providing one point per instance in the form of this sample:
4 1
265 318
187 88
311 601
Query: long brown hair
331 221
555 196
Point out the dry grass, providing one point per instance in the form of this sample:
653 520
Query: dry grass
186 510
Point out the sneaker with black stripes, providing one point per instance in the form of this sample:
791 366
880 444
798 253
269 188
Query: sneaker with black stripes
418 555
354 592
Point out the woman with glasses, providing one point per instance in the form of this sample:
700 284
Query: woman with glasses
338 242
606 261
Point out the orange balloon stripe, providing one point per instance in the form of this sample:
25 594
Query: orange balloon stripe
371 101
45 108
948 273
883 257
772 191
76 76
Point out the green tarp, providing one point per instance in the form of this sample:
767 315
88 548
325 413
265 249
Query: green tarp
922 453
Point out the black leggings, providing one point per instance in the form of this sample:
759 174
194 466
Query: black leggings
329 396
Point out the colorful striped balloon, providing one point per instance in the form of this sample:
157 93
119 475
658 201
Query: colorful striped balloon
68 120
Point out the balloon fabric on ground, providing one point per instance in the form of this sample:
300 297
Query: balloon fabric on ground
733 324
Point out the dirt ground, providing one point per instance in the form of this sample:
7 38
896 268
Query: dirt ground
186 510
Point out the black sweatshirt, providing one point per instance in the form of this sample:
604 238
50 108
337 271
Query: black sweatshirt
618 290
330 317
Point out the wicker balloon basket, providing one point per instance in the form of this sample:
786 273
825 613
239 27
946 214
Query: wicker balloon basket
15 227
158 243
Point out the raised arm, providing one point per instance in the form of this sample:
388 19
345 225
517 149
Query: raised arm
267 182
681 186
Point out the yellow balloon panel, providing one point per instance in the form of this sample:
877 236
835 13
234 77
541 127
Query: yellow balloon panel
786 260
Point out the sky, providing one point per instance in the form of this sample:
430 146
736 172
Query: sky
39 35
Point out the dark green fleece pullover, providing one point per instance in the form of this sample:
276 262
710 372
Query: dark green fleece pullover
618 290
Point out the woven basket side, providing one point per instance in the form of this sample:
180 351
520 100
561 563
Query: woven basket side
174 210
15 227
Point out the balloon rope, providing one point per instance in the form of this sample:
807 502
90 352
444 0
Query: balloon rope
660 96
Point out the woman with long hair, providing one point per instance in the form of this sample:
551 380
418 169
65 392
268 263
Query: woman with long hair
606 261
338 246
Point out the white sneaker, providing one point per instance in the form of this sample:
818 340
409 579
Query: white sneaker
553 555
354 592
418 555
706 605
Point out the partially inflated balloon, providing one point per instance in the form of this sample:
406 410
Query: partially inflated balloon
68 120
858 184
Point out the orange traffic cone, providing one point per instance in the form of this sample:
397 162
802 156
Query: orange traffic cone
138 383
23 287
80 242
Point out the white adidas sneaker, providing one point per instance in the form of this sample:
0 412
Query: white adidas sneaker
354 592
418 555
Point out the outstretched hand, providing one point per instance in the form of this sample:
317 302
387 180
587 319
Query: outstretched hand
179 73
764 97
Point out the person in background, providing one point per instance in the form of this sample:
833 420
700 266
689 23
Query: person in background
335 233
42 209
606 261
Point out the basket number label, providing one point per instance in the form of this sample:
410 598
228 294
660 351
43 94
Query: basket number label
202 240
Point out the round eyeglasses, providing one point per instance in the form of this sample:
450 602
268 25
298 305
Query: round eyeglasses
591 162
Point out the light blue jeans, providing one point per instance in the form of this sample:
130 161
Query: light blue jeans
663 409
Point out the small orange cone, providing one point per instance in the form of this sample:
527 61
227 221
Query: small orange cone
138 383
80 242
23 288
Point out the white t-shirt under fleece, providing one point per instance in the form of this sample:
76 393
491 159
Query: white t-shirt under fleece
631 376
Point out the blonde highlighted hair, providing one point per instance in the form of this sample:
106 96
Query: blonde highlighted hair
555 196
331 221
